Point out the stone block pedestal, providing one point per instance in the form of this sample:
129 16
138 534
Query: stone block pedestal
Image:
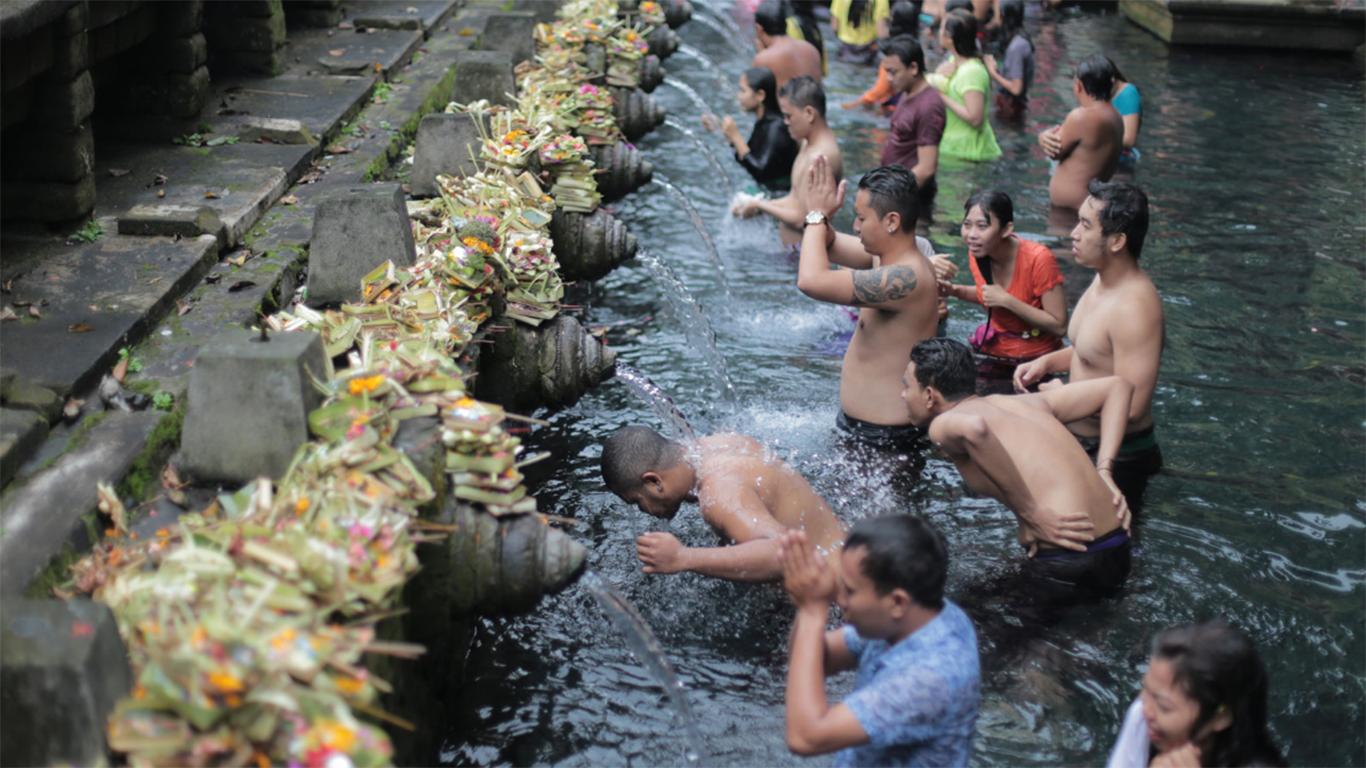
354 231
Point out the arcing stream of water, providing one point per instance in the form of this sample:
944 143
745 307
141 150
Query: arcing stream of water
721 172
702 233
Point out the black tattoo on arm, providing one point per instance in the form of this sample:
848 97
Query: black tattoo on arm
877 286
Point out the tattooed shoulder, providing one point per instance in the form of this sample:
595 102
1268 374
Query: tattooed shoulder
877 286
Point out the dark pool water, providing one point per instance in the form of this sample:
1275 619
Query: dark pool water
1254 165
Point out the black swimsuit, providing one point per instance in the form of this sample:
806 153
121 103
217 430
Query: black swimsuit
771 152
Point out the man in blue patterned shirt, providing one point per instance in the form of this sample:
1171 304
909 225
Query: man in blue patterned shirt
918 686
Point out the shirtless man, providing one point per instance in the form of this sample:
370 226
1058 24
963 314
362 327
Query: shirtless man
1087 144
786 56
1073 519
1117 327
802 102
888 275
745 492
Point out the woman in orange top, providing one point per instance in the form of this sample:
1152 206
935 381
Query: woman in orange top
1019 283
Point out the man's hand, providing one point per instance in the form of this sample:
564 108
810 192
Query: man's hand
1073 530
822 193
660 552
1121 503
1051 141
1029 374
944 268
855 104
729 128
996 296
709 121
1183 757
807 577
745 206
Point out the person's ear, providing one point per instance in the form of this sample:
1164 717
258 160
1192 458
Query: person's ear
1008 229
1221 721
652 481
899 603
1117 242
932 398
892 221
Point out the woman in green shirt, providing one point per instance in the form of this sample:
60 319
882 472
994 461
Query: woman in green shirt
963 83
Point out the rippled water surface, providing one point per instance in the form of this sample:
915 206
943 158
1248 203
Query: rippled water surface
1254 164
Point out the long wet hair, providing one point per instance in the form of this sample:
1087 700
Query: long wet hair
961 27
762 79
1012 24
994 203
1219 667
860 12
905 19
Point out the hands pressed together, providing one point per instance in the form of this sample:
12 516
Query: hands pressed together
809 578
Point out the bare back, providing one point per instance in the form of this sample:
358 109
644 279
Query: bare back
731 464
870 379
1132 308
1051 463
789 58
1095 134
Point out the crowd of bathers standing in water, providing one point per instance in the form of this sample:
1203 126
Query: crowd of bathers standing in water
1070 460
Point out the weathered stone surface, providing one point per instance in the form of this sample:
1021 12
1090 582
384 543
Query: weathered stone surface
121 34
22 394
636 112
185 95
360 53
49 155
95 298
502 564
382 14
24 59
651 73
181 18
327 102
552 365
50 201
63 667
445 144
160 219
663 42
20 434
248 404
354 231
182 54
70 55
247 62
275 130
257 8
590 246
314 17
259 35
544 10
105 13
484 75
621 169
1291 24
677 12
511 33
64 104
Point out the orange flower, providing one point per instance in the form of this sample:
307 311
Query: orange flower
163 533
349 685
337 736
301 506
282 639
225 682
233 700
140 692
365 384
198 636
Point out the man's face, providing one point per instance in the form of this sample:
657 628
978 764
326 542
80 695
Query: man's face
916 397
1088 242
870 228
900 75
797 119
858 598
656 496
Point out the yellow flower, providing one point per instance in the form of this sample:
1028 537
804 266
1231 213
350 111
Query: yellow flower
282 639
198 636
365 384
349 685
337 736
301 506
224 682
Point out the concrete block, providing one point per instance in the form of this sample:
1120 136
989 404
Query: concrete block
52 201
24 59
315 17
275 130
261 35
169 220
74 20
22 394
543 10
446 145
257 8
484 75
64 104
354 231
122 34
248 404
49 155
21 432
511 33
70 55
186 94
246 62
63 667
181 54
106 12
181 18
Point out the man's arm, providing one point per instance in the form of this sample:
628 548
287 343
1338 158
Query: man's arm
879 287
1110 396
1137 352
785 209
1069 134
926 163
1029 374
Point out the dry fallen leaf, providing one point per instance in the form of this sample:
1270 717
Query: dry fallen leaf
289 200
346 25
183 307
120 370
8 314
33 312
378 67
80 328
240 259
71 410
117 172
7 286
337 149
211 195
466 32
337 52
173 485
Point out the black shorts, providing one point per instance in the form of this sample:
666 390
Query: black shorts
898 437
1100 570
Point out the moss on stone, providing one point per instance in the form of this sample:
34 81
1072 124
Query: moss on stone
144 475
57 571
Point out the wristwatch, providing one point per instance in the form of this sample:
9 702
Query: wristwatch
814 217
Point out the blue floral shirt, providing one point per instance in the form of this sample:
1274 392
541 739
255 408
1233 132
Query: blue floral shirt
916 700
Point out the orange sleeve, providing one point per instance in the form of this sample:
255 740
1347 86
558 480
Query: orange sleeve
881 90
1045 274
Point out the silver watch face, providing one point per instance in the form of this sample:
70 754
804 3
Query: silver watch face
815 217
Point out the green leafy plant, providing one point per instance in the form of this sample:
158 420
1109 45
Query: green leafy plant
353 129
88 233
134 364
163 400
382 93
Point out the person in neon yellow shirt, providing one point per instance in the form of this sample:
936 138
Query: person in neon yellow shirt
856 24
963 83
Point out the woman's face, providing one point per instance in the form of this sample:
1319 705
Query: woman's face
1168 710
749 98
982 232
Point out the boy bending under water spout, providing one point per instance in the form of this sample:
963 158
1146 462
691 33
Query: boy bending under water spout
744 492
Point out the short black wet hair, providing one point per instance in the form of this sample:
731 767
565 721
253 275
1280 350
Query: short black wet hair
631 452
762 79
907 49
905 18
903 552
961 27
804 91
771 17
892 189
1097 76
993 202
1125 211
947 365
